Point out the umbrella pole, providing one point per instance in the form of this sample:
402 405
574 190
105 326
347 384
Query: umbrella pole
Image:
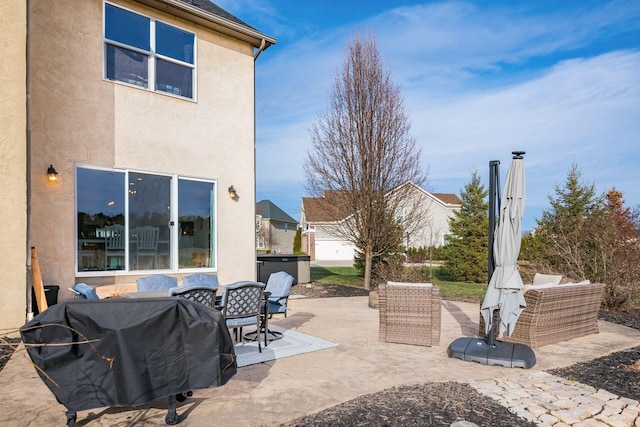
494 202
491 335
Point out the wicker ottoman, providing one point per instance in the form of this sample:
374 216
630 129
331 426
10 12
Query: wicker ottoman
409 313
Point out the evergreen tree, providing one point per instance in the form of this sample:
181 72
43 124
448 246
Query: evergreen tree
466 254
297 242
590 236
565 230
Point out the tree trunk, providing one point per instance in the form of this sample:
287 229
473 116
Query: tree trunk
368 258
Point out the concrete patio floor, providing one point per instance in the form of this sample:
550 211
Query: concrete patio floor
283 390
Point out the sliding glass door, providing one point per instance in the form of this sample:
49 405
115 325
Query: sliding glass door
136 221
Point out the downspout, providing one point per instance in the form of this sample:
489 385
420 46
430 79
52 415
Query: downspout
263 44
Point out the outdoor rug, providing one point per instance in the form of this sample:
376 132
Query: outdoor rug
291 344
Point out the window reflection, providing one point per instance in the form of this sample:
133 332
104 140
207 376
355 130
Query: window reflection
101 219
136 46
195 218
174 42
149 216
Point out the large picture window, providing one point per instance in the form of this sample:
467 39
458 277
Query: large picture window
134 221
144 52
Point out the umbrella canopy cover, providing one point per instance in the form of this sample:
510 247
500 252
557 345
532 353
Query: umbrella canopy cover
504 292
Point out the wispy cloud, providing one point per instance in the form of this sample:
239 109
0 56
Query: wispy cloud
479 81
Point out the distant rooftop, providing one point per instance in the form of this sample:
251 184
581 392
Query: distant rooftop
269 210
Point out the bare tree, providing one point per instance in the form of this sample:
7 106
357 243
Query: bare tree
361 147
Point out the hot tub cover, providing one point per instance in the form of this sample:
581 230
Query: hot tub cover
140 350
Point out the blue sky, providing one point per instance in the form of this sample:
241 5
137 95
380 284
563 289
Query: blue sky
480 79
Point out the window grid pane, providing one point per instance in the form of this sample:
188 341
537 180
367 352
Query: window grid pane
195 218
149 217
174 42
173 78
127 66
127 27
101 220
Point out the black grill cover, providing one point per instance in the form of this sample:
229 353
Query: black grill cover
141 350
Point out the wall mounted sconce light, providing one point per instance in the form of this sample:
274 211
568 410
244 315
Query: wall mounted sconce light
52 174
233 194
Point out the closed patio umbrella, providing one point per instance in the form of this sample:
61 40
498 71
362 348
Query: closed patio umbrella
504 292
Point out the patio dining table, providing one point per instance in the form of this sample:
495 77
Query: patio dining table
252 336
164 293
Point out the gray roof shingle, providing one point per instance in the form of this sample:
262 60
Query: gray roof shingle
211 7
269 210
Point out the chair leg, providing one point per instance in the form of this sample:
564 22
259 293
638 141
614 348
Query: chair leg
266 333
258 336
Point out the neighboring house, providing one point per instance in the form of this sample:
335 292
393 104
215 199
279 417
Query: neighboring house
320 237
145 109
275 229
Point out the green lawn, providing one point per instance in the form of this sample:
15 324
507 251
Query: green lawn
348 276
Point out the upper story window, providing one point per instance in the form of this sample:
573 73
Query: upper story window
144 52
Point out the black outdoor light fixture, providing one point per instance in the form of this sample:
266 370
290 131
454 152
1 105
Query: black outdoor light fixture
52 174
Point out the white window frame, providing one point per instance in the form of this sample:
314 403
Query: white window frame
151 54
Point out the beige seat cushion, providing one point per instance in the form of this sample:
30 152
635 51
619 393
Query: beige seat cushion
409 284
584 282
540 279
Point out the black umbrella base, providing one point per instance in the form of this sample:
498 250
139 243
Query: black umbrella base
501 353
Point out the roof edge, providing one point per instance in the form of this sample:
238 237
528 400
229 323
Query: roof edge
212 21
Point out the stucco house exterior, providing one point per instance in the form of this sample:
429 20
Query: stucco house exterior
321 241
145 111
275 229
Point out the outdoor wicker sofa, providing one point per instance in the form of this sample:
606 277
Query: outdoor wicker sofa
556 313
409 313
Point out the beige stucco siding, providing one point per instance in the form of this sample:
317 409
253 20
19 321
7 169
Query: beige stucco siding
71 120
13 161
78 117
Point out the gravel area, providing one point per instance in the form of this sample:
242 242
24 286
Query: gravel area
450 403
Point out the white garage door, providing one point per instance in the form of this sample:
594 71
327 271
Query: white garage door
331 250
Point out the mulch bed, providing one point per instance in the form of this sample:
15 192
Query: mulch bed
431 404
442 404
